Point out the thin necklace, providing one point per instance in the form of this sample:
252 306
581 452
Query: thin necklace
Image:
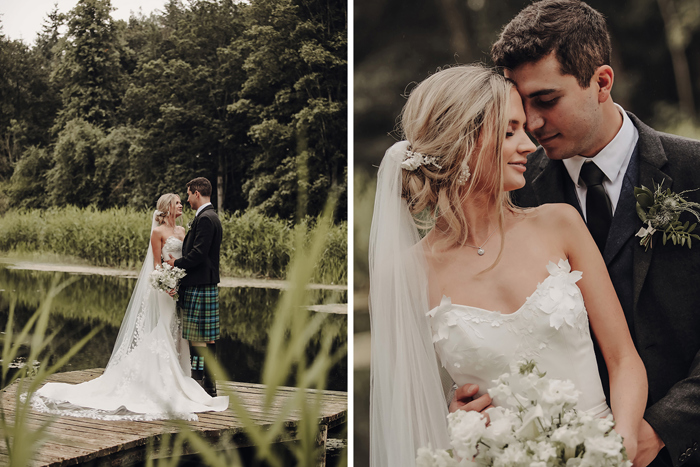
480 249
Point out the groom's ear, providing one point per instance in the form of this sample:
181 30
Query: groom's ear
604 78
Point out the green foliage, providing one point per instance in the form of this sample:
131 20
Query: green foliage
660 210
220 89
89 71
294 93
252 245
28 182
72 179
21 436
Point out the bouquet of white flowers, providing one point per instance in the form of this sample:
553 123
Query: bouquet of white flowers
166 277
543 429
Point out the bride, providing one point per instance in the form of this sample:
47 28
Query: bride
148 375
489 284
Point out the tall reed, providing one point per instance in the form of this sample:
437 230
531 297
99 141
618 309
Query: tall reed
21 437
253 245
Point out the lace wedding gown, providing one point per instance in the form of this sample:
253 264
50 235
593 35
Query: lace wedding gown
146 379
551 327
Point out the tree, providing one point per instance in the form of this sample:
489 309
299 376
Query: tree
89 72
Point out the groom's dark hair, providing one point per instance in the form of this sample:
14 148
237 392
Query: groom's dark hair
575 32
200 184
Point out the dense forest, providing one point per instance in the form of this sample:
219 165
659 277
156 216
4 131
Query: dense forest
109 113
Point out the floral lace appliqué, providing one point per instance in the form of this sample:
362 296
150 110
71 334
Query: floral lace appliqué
559 296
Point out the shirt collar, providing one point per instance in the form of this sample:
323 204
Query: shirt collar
201 208
611 159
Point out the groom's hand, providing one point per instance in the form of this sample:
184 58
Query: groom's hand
648 445
464 400
170 260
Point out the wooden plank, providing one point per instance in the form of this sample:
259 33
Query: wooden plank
76 440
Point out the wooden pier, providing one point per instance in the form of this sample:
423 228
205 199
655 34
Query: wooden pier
73 441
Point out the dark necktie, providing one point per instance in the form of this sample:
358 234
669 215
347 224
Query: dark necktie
598 207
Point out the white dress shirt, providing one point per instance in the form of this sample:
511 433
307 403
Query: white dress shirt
613 160
201 207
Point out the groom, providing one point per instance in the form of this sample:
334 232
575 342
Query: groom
558 54
199 291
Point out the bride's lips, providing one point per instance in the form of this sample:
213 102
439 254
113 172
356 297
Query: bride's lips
518 165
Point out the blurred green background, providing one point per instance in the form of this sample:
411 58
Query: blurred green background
656 59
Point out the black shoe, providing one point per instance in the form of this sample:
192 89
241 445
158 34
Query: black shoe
210 386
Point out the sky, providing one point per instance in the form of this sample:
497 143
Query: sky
22 19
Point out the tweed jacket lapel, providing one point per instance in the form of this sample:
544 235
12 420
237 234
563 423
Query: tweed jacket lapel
652 158
187 245
625 222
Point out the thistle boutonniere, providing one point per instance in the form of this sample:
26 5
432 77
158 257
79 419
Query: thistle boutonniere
189 224
660 210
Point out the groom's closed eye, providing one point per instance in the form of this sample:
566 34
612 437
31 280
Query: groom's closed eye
547 103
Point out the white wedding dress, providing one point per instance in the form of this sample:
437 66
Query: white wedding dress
147 377
407 402
551 327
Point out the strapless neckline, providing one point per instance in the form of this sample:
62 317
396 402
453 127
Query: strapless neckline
476 345
562 268
173 237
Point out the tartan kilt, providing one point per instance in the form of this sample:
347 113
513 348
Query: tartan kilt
199 308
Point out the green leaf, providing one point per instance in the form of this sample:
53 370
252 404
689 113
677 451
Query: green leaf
692 227
663 240
682 241
644 200
638 190
641 213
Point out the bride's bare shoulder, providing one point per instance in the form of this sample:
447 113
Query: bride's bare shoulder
555 217
158 232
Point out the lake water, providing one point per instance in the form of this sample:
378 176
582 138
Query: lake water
246 315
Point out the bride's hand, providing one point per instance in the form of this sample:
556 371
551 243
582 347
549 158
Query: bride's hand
463 399
170 260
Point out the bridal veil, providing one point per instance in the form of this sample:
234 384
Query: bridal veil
407 402
142 313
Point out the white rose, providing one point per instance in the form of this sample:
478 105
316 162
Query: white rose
465 430
512 455
543 450
429 458
570 436
558 393
603 446
503 424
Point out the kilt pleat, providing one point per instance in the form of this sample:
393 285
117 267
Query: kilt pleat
199 305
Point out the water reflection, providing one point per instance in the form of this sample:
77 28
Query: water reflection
92 300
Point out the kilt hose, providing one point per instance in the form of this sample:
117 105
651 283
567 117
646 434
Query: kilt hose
199 305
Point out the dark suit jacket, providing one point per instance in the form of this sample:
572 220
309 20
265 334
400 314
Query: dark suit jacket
200 250
659 289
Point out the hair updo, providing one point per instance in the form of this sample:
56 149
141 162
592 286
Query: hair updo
165 204
459 115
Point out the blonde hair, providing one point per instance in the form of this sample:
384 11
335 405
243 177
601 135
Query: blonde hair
459 115
165 204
